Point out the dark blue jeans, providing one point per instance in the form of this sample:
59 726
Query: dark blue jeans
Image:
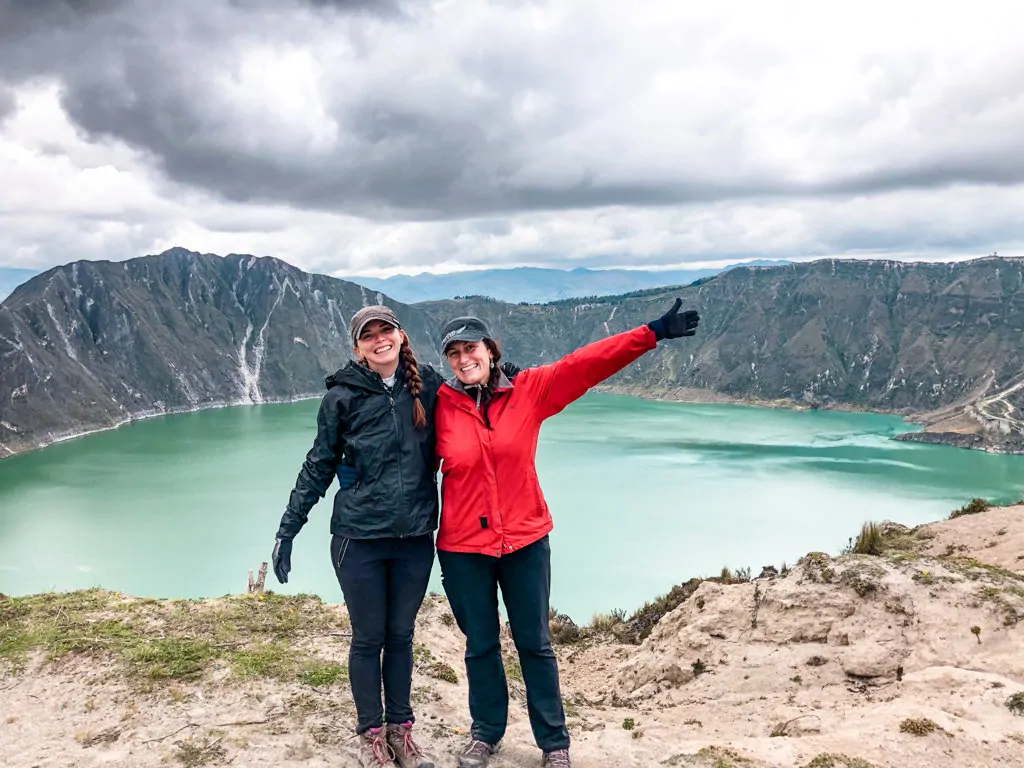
384 582
471 582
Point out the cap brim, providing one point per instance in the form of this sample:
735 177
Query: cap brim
387 320
466 336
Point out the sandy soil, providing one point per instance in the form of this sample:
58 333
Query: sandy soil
819 669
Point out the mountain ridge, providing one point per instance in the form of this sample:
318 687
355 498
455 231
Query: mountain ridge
536 285
90 345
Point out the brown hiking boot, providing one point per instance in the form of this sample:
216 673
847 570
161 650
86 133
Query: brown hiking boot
407 752
557 759
477 754
374 750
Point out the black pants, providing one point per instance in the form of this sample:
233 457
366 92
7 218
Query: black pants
383 581
471 582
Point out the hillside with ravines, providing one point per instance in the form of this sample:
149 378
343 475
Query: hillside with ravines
91 345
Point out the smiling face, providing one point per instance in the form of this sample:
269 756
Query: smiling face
379 345
470 361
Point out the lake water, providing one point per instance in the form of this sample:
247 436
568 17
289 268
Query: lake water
644 494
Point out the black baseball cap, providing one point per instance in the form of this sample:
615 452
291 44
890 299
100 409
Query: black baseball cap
463 329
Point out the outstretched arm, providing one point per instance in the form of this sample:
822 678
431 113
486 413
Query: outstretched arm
560 383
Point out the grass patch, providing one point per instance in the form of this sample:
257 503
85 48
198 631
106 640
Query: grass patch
973 507
155 639
274 659
322 673
920 726
424 659
169 658
836 760
512 669
870 540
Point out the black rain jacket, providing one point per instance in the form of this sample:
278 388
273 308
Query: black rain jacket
363 423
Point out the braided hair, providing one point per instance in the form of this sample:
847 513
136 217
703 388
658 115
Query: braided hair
413 381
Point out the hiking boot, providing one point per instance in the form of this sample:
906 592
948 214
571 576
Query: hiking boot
557 759
374 750
477 754
407 752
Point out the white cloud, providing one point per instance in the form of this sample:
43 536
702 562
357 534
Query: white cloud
461 135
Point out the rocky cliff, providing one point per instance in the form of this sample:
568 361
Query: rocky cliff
941 343
907 658
93 344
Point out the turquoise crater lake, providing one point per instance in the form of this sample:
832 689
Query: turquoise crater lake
644 494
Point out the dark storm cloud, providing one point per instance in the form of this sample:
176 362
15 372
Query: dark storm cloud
409 143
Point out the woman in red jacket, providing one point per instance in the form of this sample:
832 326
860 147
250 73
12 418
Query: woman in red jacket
495 521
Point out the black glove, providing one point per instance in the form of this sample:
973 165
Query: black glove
510 370
282 558
347 477
672 325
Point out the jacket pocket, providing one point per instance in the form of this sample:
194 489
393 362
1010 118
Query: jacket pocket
341 553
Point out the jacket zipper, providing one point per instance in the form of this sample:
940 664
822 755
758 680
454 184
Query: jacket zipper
398 435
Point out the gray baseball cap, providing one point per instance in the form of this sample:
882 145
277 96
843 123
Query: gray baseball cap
368 315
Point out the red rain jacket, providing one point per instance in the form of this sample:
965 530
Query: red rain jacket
491 501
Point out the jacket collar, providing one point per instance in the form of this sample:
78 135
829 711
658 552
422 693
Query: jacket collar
360 377
503 384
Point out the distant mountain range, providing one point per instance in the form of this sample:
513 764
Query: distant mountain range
91 345
536 285
11 278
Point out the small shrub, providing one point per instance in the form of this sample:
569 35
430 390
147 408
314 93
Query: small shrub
700 603
441 671
629 724
870 540
973 507
643 621
1016 704
796 679
448 620
743 574
726 574
817 661
699 667
920 726
834 760
976 631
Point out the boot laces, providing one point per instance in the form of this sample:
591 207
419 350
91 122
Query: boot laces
409 747
381 749
476 748
559 759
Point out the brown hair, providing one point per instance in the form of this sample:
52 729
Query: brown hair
413 381
486 395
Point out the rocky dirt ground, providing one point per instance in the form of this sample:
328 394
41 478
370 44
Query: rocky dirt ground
910 657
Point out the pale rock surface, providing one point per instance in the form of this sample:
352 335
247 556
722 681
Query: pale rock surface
814 669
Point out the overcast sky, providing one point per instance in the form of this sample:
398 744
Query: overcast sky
369 137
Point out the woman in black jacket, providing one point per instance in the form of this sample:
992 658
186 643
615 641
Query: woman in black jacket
378 419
